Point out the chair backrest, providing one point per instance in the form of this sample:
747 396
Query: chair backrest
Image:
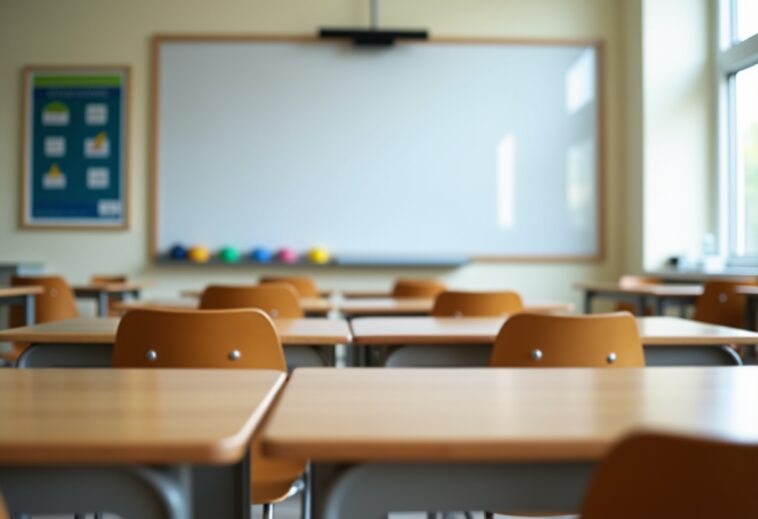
659 476
721 304
56 303
279 300
417 288
303 285
198 339
476 304
540 340
629 281
105 279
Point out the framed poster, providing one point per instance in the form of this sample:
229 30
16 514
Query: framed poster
74 165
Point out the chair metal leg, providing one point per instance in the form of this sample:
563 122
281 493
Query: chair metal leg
305 494
268 511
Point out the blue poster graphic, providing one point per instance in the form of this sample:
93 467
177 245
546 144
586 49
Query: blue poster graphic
75 165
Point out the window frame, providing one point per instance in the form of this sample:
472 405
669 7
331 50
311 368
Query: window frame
732 56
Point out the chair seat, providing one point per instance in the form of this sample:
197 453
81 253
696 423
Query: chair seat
272 478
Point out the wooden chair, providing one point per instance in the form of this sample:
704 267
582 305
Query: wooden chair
410 288
721 304
456 304
56 303
3 509
630 281
476 304
105 279
539 340
235 339
303 285
659 476
276 299
109 279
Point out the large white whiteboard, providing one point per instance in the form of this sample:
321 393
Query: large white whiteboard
419 150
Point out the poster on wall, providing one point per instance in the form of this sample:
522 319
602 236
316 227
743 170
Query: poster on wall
75 147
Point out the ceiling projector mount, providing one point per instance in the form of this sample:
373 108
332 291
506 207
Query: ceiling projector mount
373 36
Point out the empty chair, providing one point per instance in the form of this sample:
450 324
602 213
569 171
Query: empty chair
457 304
56 303
476 304
659 476
629 281
239 339
538 340
106 279
303 285
721 304
109 279
279 300
417 288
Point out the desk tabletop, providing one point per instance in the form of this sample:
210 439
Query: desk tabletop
20 291
662 290
131 415
410 306
494 414
102 330
669 331
748 290
91 289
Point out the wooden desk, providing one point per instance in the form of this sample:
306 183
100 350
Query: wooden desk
417 439
386 306
668 340
130 441
751 293
21 296
89 341
104 292
639 295
312 306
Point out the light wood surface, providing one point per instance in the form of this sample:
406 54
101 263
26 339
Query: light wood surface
668 331
362 294
131 416
20 291
661 290
102 330
748 290
410 306
91 289
310 305
493 414
134 304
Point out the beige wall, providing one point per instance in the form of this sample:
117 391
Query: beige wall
109 31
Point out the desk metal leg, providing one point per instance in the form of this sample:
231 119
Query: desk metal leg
588 296
660 306
752 308
103 299
373 490
29 309
641 300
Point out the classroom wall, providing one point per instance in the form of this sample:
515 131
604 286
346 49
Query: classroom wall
107 32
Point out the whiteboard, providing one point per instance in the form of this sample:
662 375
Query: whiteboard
419 150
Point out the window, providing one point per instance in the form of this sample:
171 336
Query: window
744 19
738 76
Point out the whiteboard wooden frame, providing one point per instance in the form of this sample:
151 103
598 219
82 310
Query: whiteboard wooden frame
24 221
597 45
